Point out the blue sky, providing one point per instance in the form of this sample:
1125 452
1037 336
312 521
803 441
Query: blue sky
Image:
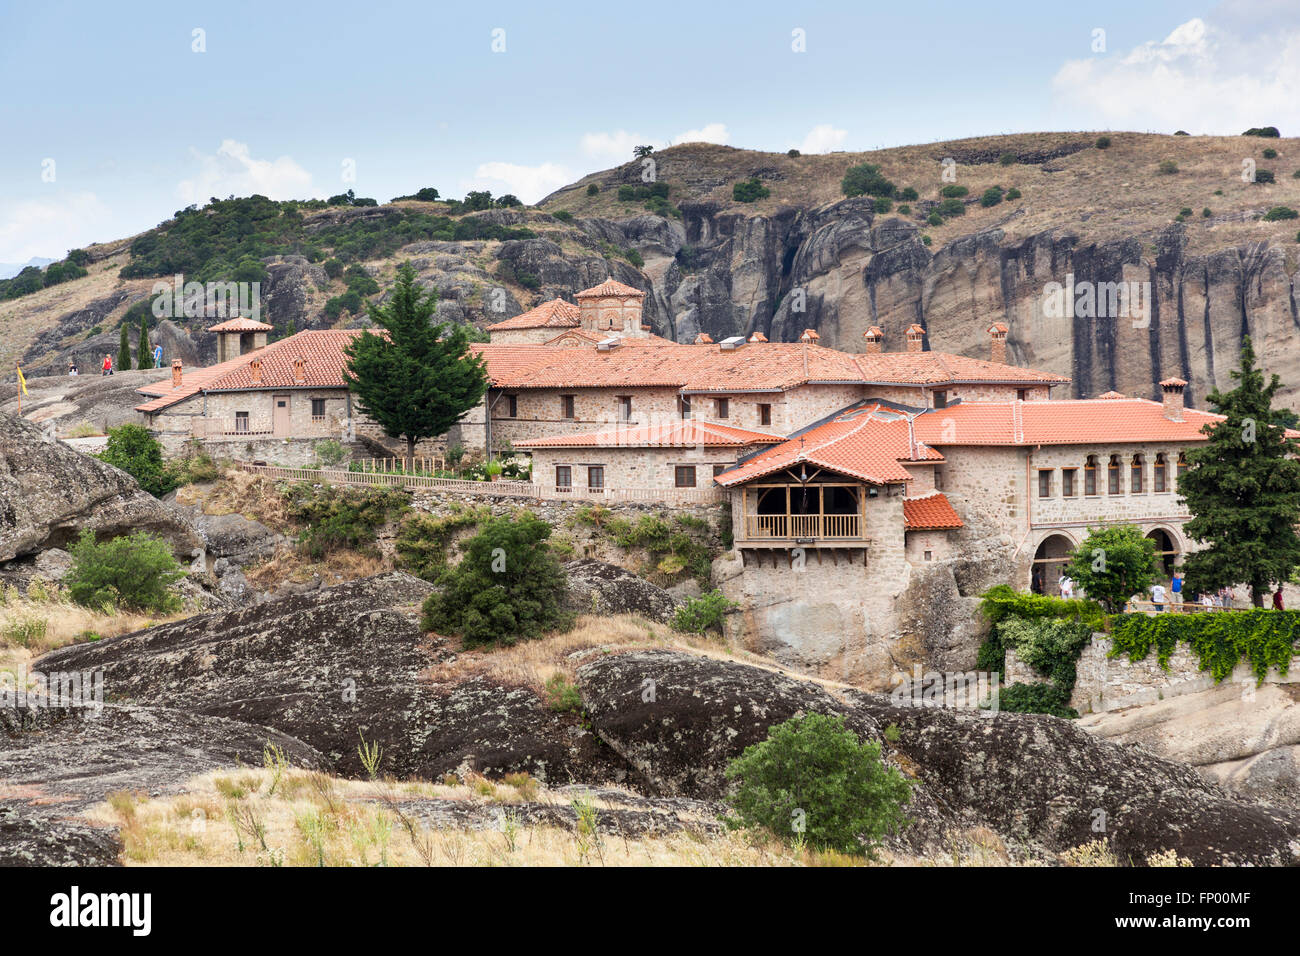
138 124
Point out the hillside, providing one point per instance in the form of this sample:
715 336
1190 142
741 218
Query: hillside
712 264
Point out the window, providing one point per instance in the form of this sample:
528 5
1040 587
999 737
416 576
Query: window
1182 464
1045 483
683 406
1022 394
512 406
929 555
566 407
241 422
1090 475
563 478
596 478
724 408
1114 477
938 478
684 476
765 414
318 408
1136 468
1068 476
1158 473
940 399
625 408
719 469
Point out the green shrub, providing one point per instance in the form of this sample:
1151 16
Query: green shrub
336 518
24 631
626 193
1206 213
561 696
1012 193
1103 142
1266 131
1270 153
1265 638
506 588
1002 602
1264 176
749 190
704 613
1185 212
197 466
793 153
1036 699
593 189
884 205
813 780
1280 212
934 219
1167 167
135 572
1051 646
904 210
866 180
953 191
134 449
952 207
329 452
564 215
908 194
991 196
333 268
1008 159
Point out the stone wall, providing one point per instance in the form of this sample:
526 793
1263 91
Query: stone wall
627 468
1105 683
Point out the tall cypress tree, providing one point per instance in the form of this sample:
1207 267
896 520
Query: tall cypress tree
1243 488
420 378
144 353
123 351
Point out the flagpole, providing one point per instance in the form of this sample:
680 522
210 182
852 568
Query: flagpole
19 369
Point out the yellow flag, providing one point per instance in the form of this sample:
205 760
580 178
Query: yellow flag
22 382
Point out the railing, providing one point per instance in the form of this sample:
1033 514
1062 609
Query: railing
1173 607
791 527
525 489
212 427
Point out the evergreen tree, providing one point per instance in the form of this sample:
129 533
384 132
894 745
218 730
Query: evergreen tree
1243 488
123 350
144 353
418 379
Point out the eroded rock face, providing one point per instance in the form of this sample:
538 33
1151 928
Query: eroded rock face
1033 779
599 588
49 493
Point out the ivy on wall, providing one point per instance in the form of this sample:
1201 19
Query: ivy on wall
1221 640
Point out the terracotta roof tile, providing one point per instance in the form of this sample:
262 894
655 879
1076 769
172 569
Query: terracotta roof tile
610 287
240 324
679 434
552 314
931 512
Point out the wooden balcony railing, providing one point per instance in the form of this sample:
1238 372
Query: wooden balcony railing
802 527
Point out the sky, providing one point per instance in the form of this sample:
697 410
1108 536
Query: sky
115 115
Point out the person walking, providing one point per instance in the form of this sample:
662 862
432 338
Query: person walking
1277 599
1158 596
1176 586
1067 587
107 367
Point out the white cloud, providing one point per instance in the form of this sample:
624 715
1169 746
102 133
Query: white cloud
712 133
822 139
616 146
529 183
234 171
1207 76
48 228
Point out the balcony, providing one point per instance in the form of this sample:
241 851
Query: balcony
802 527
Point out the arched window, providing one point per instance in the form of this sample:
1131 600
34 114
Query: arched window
1136 468
1182 464
1158 475
1114 476
1090 475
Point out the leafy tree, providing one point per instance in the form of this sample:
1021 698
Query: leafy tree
509 200
866 180
506 588
427 194
123 349
749 190
1243 489
813 779
640 152
1113 564
478 199
134 449
419 378
1266 131
144 352
134 572
593 189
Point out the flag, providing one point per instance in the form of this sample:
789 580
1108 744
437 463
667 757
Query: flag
22 382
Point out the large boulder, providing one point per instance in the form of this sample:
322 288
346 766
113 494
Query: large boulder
599 588
49 493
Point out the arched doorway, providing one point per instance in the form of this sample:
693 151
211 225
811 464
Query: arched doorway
1049 561
1166 550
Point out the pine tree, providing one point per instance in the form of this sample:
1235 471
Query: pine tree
417 380
144 353
123 351
1243 488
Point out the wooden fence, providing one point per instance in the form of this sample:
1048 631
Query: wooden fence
523 489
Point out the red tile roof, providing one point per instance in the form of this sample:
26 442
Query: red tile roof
678 434
939 368
865 441
931 512
552 314
1060 422
610 287
240 324
575 337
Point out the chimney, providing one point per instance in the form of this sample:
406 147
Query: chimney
176 373
255 370
875 337
1173 394
915 335
809 336
998 352
704 338
758 337
300 371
